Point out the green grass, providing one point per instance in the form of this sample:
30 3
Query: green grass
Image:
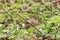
17 23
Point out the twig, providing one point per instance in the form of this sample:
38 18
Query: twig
33 26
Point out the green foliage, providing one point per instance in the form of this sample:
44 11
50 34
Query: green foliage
31 30
2 16
55 19
14 17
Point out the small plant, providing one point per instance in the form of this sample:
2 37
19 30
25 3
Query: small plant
29 20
